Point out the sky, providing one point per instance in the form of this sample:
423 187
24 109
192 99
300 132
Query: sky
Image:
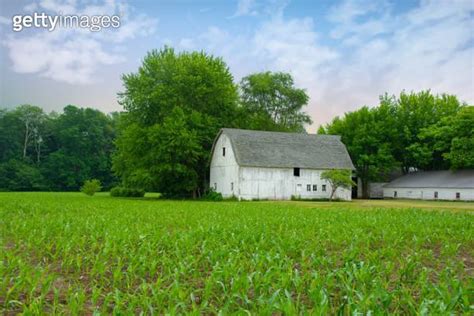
345 54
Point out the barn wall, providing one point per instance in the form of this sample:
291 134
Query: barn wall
224 169
428 193
281 184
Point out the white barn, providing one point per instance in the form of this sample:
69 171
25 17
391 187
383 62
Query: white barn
274 165
433 185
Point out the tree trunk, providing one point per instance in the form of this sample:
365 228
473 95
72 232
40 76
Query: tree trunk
332 192
38 153
25 144
365 188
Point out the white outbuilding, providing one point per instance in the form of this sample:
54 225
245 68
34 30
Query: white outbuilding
274 165
433 185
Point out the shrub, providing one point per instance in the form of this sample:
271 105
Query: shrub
299 198
127 192
90 187
212 195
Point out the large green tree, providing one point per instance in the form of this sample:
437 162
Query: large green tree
272 102
175 104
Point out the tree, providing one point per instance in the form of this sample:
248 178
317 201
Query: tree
368 137
452 139
415 112
55 151
338 178
18 175
33 118
175 103
273 102
81 149
399 134
90 187
161 157
11 136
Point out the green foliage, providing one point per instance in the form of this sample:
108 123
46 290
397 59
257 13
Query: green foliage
60 151
82 139
90 187
364 132
126 192
273 103
176 104
452 138
212 195
300 198
17 175
338 178
415 112
66 253
411 132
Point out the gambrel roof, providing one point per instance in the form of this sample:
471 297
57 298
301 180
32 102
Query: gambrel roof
287 150
461 179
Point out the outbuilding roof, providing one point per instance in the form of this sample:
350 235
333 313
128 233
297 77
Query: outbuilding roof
287 150
435 179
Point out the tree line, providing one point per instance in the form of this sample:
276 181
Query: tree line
41 151
175 104
416 131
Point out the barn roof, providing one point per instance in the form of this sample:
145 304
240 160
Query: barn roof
435 179
288 150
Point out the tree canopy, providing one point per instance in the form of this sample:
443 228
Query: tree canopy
40 151
414 131
272 102
338 178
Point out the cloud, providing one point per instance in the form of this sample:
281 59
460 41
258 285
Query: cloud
369 50
5 21
427 47
263 7
75 55
246 7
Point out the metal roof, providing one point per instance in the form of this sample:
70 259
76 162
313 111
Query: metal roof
287 150
435 179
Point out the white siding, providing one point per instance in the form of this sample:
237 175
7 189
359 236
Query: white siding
428 193
281 184
224 169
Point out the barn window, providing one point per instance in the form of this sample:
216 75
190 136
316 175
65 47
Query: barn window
394 194
315 187
215 186
436 194
223 151
324 188
308 187
458 195
296 172
232 186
